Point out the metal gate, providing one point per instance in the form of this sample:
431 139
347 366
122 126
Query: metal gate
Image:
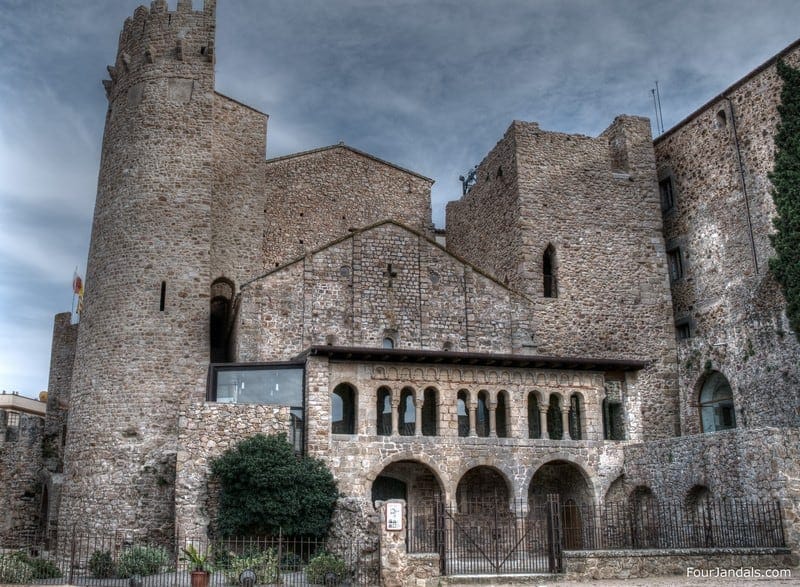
479 538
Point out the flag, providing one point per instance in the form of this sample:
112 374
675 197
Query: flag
77 289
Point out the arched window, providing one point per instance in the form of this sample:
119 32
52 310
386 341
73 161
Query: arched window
463 414
501 415
550 287
555 428
430 416
534 420
716 404
388 343
343 409
575 415
384 411
482 416
407 418
221 296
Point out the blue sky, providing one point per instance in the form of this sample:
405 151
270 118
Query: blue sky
428 84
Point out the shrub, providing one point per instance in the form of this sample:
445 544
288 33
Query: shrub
266 487
141 560
263 564
43 568
325 566
14 570
101 565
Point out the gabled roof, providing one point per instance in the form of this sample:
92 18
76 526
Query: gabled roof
352 150
370 227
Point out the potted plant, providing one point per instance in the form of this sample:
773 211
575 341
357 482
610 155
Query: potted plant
200 565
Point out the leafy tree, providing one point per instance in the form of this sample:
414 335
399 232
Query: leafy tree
266 487
785 178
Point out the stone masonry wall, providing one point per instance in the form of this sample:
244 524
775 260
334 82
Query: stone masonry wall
735 312
742 463
62 358
207 431
346 294
20 485
595 201
315 197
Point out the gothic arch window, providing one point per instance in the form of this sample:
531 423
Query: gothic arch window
343 409
462 408
384 411
219 318
716 404
550 285
407 417
430 415
575 417
555 427
501 415
482 415
534 420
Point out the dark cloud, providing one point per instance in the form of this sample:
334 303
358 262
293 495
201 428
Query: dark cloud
428 84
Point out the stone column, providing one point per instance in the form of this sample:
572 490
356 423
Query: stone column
473 417
493 419
395 415
543 421
565 422
418 415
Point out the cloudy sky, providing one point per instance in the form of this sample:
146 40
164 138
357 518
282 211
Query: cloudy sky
428 84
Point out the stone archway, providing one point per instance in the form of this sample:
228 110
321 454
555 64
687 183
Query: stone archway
482 487
571 484
418 485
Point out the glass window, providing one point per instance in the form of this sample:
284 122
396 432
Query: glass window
343 410
281 386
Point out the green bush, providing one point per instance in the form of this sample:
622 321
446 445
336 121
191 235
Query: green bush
14 570
101 565
263 564
267 488
324 565
43 569
141 560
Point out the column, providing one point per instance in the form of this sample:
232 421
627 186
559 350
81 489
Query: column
418 414
565 422
395 414
493 419
473 416
543 421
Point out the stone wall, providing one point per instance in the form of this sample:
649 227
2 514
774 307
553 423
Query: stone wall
384 281
20 485
595 202
718 161
315 197
744 463
741 563
207 431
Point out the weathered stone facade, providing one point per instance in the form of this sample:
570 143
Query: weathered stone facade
533 354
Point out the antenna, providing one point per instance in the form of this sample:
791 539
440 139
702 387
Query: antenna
658 108
655 109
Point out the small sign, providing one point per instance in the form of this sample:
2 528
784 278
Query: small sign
394 516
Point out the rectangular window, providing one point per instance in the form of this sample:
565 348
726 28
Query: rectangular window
667 194
683 329
675 262
280 385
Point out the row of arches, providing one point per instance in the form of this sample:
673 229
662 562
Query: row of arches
410 412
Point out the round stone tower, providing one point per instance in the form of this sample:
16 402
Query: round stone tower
142 346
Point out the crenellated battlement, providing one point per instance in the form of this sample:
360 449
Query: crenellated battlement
157 36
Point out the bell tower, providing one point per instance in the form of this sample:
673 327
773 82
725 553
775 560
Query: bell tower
142 347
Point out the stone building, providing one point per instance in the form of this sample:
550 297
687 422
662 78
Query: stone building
596 321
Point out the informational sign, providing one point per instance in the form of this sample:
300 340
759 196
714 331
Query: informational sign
394 516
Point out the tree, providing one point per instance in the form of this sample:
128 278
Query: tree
785 178
266 487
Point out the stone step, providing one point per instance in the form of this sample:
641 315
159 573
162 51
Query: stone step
500 580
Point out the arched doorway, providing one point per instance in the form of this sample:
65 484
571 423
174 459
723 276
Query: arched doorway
570 484
416 483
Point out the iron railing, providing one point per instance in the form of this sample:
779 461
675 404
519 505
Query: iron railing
646 524
122 559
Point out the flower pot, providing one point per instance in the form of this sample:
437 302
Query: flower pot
201 578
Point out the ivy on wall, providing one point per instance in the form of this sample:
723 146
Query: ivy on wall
785 178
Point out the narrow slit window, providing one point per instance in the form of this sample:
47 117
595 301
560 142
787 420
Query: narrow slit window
163 296
549 272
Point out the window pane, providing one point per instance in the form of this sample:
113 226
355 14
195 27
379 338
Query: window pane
281 386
